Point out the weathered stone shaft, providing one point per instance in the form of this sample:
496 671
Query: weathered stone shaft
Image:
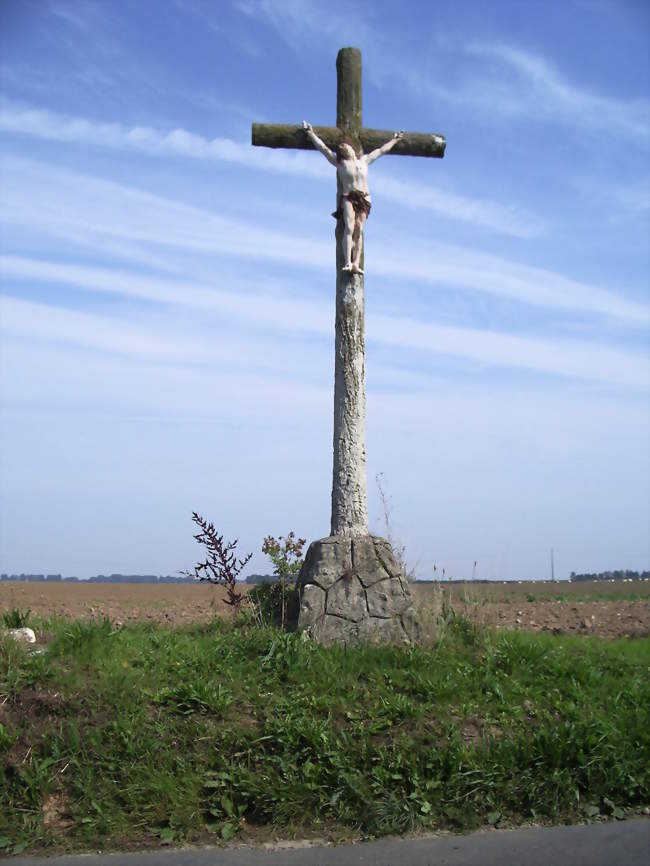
349 496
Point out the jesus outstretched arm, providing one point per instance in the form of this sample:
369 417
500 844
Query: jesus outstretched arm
318 143
380 151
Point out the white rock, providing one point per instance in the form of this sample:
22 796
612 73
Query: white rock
24 635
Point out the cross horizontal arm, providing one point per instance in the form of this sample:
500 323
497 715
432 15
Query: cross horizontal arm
294 137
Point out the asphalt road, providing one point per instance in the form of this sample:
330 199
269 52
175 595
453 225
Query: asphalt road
616 843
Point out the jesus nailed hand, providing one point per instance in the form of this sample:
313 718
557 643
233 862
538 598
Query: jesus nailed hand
354 203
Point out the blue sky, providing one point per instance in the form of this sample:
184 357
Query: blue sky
168 290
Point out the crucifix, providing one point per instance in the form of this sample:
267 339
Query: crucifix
339 572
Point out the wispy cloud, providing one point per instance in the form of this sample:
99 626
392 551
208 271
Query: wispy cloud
568 359
59 376
622 200
300 21
70 15
446 264
210 15
93 211
572 359
183 144
79 49
81 208
505 80
74 22
154 339
40 84
270 309
178 142
479 212
525 83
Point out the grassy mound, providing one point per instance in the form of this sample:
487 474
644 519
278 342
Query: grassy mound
111 737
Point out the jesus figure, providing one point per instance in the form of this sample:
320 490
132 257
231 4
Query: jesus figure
354 204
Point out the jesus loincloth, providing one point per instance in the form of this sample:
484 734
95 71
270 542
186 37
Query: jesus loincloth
359 201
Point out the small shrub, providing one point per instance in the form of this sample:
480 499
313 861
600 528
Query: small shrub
276 604
285 553
221 565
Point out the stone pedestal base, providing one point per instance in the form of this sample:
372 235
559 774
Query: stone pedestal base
352 589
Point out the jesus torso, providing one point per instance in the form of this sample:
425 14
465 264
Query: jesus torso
353 175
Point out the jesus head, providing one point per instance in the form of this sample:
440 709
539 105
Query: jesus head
345 151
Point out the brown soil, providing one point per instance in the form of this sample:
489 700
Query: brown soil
580 609
609 610
605 618
168 604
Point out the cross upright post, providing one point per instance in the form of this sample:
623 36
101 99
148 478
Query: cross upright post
349 491
332 561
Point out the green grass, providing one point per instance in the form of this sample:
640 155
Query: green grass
15 618
146 732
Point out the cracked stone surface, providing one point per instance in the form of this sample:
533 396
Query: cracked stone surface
387 598
313 601
352 589
346 598
326 561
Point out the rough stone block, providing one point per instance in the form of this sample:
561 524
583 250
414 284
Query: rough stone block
312 603
352 590
326 560
410 624
382 631
374 561
334 630
387 598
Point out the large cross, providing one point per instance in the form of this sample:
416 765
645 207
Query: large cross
349 496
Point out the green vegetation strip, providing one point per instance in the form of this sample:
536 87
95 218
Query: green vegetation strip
114 736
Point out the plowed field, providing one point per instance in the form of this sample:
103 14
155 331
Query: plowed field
606 609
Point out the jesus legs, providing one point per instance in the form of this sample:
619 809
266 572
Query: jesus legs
348 233
358 242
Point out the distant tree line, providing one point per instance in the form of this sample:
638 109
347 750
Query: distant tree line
271 578
261 578
98 578
612 575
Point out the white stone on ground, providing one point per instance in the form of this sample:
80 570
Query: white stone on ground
23 635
